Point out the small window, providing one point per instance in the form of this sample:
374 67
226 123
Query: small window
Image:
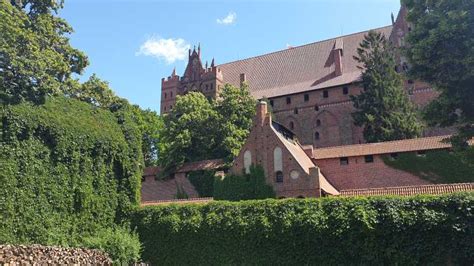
344 160
295 111
288 100
212 87
207 87
316 108
318 123
306 97
369 158
271 103
325 94
164 108
171 94
345 90
166 95
316 136
279 177
292 125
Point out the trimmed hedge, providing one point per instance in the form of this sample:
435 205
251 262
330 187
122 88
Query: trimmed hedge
326 231
67 171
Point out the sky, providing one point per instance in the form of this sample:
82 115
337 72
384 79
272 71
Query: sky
133 44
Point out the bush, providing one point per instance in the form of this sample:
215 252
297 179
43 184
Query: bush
203 181
327 231
439 166
248 186
67 170
121 245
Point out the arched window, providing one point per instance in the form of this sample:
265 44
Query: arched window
247 161
316 135
279 177
316 108
318 123
277 160
295 111
292 125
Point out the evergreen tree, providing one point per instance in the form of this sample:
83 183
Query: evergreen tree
441 52
383 107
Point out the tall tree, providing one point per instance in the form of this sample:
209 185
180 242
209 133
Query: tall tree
35 55
441 52
383 107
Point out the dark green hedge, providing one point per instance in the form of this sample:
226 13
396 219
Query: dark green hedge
248 186
328 231
203 181
67 170
439 166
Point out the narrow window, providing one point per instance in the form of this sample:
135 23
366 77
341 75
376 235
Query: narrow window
212 87
325 94
292 125
207 87
247 161
306 97
316 108
171 94
279 177
318 123
277 160
271 103
166 95
316 136
344 160
165 108
345 90
288 100
369 158
295 111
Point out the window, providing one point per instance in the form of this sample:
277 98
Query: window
166 95
410 81
294 174
212 87
316 108
318 123
325 94
344 160
421 153
171 94
247 161
271 103
164 108
288 100
306 97
295 111
393 156
345 90
292 125
279 177
207 87
316 136
369 158
277 160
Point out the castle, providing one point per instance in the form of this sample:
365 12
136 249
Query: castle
310 146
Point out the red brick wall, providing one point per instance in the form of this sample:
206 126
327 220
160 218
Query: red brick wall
359 174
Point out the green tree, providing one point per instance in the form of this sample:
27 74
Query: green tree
441 52
35 55
151 126
383 107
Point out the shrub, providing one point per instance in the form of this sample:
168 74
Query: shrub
327 231
248 186
203 181
121 245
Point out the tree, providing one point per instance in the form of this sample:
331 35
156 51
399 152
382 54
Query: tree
94 91
383 107
151 126
35 55
441 52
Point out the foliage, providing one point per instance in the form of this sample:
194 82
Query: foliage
203 182
68 169
248 186
441 52
180 192
151 126
122 246
198 129
438 166
35 55
383 108
421 230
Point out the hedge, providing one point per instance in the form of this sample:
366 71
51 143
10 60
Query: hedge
326 231
68 170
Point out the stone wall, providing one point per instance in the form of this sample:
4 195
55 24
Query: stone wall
40 255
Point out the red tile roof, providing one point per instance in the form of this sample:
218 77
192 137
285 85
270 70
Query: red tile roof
155 190
406 145
298 69
176 201
410 190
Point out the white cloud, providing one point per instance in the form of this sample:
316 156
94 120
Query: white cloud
229 19
170 50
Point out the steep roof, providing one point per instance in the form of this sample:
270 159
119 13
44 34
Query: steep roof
406 145
298 69
410 190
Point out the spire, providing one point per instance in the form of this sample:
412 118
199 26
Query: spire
174 72
206 64
199 50
393 19
189 52
212 62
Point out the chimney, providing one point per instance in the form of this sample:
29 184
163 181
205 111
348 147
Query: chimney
338 53
261 112
242 79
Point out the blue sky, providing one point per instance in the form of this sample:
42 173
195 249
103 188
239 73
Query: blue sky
133 44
